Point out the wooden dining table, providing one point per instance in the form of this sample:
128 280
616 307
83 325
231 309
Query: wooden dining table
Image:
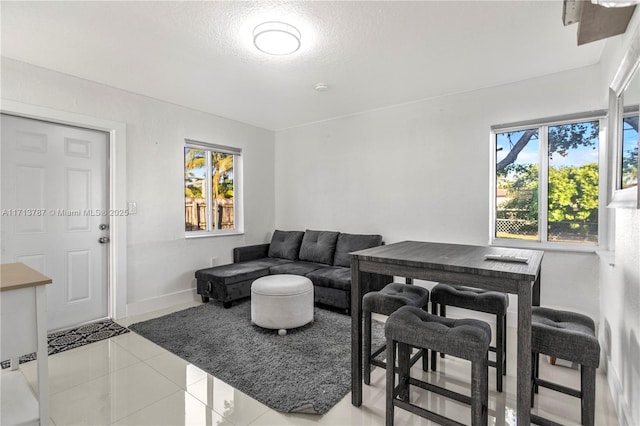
459 265
23 325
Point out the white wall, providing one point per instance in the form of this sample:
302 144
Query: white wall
620 281
620 317
161 262
421 171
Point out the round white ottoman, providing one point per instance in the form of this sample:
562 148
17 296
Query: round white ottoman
281 302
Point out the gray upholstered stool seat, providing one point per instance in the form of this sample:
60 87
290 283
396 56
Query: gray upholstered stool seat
475 299
394 296
468 339
385 302
570 336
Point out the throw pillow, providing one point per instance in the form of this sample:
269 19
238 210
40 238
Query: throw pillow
285 244
318 246
348 243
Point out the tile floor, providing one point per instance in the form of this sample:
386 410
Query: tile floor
127 380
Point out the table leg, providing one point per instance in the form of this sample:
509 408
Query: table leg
524 353
535 297
42 354
356 334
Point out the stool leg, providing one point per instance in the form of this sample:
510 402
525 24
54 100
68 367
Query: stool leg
499 351
479 391
443 313
391 380
533 377
537 370
367 347
588 400
404 364
504 344
434 311
485 395
425 359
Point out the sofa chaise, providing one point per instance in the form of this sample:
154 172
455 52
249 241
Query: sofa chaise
321 256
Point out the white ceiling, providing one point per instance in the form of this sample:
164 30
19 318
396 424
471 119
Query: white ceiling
371 54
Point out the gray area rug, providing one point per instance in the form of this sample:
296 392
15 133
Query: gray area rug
308 370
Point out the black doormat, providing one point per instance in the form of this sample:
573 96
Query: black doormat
61 341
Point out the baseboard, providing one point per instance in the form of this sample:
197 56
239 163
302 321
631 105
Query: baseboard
161 302
620 402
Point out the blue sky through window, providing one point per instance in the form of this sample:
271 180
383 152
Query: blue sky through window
630 139
504 144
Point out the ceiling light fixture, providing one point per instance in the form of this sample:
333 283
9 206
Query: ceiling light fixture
276 38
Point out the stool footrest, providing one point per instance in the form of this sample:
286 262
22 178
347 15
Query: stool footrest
541 421
417 356
378 363
558 388
429 415
383 364
440 390
378 351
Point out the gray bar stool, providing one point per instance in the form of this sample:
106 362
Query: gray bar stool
572 337
385 302
463 338
475 299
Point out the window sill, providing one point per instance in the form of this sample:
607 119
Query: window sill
546 246
205 234
624 199
607 256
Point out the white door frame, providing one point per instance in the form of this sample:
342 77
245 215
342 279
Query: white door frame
117 270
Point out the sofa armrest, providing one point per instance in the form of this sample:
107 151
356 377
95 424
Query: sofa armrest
258 251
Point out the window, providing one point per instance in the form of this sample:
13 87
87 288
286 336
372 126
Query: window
629 158
210 188
547 183
624 97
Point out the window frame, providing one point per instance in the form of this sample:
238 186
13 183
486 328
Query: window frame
237 189
627 70
543 181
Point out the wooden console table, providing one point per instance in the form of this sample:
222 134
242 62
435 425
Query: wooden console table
24 330
453 264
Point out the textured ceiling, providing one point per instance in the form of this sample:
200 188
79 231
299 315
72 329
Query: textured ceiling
371 54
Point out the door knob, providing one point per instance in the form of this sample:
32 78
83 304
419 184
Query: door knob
103 240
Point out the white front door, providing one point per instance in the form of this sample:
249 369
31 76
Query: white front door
54 203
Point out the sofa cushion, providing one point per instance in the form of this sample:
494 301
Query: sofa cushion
319 246
295 268
285 244
236 272
332 277
348 243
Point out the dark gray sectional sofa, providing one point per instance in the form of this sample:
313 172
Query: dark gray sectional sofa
321 256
